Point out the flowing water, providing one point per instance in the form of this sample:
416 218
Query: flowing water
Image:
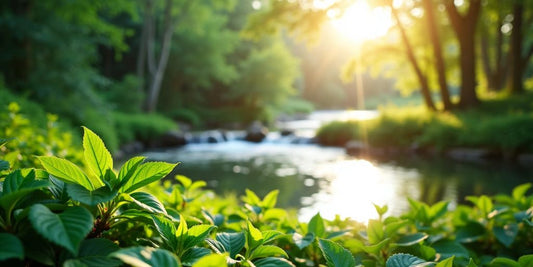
313 178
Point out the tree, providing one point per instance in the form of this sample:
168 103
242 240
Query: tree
517 56
464 26
493 41
437 52
422 79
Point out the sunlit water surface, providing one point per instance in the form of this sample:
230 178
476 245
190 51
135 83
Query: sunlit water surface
315 179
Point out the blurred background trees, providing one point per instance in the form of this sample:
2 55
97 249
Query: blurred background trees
216 63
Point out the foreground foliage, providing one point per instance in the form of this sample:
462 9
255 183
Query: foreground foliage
91 215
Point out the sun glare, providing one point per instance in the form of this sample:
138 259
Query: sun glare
360 22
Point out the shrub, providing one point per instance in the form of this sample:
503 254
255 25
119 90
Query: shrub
338 133
142 127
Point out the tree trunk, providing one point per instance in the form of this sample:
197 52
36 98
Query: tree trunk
464 28
424 87
516 86
437 52
159 69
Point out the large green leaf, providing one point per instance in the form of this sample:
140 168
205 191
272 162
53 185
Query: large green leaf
526 260
127 170
267 251
68 172
520 191
148 202
404 260
146 257
335 254
411 239
91 198
469 233
191 255
254 237
504 262
197 235
96 154
446 263
316 226
66 229
506 234
10 247
166 230
271 235
213 260
147 173
375 231
95 252
448 248
270 199
232 242
303 241
273 262
4 165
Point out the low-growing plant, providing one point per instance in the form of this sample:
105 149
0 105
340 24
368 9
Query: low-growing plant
92 215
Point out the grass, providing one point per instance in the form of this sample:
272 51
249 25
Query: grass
502 124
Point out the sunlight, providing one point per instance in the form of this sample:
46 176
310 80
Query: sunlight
354 187
360 22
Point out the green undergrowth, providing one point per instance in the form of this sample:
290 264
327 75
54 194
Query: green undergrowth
117 128
92 213
502 125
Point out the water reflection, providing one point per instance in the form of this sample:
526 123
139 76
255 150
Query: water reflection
319 179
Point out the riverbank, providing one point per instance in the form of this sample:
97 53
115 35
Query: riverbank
497 129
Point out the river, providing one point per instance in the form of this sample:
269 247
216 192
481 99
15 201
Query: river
312 178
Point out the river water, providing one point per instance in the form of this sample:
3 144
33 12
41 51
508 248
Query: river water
312 178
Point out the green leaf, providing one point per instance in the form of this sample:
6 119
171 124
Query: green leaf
438 210
182 227
393 227
146 257
67 229
147 173
252 198
254 237
448 248
271 235
74 263
504 262
4 165
520 191
166 230
335 255
404 260
197 235
128 169
274 214
191 255
381 210
446 263
95 252
232 242
148 202
68 172
184 180
374 249
471 263
526 260
10 247
506 234
273 262
270 199
96 154
375 231
469 233
3 141
91 198
316 226
264 251
411 239
212 260
303 241
485 205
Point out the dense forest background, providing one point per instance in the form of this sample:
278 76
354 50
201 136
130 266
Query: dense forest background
114 65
